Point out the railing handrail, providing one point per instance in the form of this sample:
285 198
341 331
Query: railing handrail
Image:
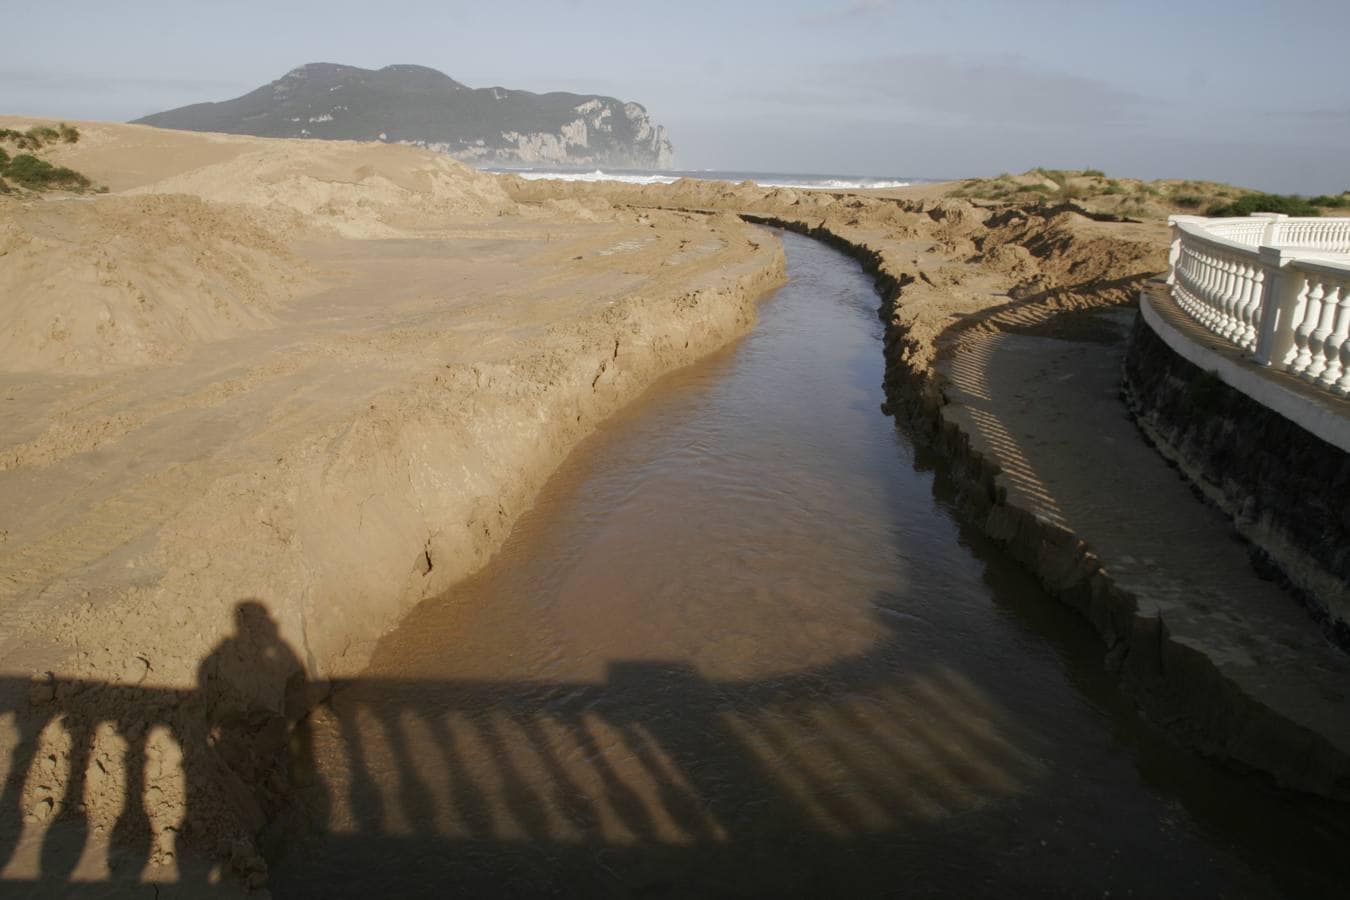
1321 262
1200 233
1270 229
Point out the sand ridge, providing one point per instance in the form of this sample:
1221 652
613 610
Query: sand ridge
100 284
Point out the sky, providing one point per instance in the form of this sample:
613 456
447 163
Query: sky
1245 91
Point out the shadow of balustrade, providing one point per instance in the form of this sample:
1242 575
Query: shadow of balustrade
499 787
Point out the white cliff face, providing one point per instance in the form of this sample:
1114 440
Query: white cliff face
574 133
637 115
650 138
542 147
590 139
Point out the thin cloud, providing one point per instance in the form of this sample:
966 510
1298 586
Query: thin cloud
1003 89
855 10
1338 116
55 81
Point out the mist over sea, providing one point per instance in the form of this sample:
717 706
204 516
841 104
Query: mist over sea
669 176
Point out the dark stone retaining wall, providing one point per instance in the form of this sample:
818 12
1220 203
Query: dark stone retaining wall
1287 491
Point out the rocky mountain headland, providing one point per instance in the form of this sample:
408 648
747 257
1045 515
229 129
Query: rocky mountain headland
417 105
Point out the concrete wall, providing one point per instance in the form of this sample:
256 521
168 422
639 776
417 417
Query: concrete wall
1287 490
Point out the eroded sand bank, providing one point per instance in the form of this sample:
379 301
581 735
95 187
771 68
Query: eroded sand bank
317 381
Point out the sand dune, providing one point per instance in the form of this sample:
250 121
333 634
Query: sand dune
93 285
355 190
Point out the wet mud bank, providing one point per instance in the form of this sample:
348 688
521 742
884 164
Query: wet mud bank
1179 685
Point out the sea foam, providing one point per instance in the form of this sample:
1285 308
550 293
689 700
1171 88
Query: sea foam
796 182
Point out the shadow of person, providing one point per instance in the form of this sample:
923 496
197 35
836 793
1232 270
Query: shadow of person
252 691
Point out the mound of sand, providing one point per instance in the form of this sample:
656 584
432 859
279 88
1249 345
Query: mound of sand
92 285
355 190
349 188
194 247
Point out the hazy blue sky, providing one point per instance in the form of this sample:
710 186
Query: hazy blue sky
1247 91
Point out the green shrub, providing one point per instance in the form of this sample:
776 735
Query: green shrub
31 172
42 134
1331 201
39 135
1189 201
1289 204
18 139
1093 173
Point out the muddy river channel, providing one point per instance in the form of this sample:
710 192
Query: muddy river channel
742 647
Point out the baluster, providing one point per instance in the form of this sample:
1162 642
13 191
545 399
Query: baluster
1306 315
1285 323
1232 295
1201 285
1180 292
1227 293
1195 275
1187 280
1189 274
1211 279
1342 387
1326 320
1335 341
1251 310
1242 305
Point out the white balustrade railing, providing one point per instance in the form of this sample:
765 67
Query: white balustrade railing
1277 287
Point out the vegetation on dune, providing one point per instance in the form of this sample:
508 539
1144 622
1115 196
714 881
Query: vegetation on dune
39 136
1129 197
36 174
1289 204
28 171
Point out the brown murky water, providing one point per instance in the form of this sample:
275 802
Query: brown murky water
742 648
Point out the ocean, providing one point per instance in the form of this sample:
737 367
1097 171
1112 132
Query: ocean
668 176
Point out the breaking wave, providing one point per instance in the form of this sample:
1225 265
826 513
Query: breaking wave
766 180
